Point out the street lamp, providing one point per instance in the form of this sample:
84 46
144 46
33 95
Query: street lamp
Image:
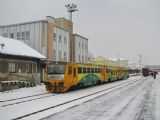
71 8
140 61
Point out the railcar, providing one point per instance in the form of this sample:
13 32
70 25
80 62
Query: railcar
60 77
145 72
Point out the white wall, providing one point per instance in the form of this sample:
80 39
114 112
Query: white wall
81 49
37 34
60 47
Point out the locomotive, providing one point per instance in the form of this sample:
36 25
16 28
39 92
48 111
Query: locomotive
61 77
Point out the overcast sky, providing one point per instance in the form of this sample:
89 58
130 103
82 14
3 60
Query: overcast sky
127 27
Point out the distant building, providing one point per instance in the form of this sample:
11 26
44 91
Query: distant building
80 49
52 37
18 61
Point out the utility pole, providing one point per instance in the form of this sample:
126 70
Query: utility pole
70 9
140 61
118 59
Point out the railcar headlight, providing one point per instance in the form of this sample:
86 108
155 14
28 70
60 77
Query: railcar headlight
62 76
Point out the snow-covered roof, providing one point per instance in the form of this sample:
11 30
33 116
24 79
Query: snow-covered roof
15 47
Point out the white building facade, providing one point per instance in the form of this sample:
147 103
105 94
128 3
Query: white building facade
32 33
61 43
52 37
45 36
81 49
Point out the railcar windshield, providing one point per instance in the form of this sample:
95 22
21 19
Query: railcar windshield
56 69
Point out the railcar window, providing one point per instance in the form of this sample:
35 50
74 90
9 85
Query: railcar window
74 72
84 70
99 70
79 70
70 70
111 72
88 70
96 70
92 70
58 69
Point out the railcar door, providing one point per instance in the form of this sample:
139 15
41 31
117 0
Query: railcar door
75 74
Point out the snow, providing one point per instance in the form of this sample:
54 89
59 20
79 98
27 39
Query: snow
23 92
16 47
122 104
139 101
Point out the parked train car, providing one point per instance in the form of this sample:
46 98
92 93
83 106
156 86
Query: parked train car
134 71
60 77
145 72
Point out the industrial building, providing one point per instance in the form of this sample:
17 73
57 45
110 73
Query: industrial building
52 37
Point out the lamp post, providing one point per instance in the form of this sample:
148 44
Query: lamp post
140 61
70 9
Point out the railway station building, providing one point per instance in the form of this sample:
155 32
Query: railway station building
19 62
52 37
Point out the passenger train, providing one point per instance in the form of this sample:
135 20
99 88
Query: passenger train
61 77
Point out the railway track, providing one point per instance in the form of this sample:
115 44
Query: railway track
25 99
74 102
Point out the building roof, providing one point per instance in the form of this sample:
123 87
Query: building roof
100 60
22 23
15 47
80 36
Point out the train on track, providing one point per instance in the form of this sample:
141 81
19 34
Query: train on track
146 72
61 77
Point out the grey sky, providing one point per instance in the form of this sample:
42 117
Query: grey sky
130 27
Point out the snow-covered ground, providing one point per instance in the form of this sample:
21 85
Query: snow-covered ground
125 104
135 102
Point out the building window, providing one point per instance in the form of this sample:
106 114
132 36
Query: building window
27 34
29 68
59 54
12 35
79 58
5 35
65 40
60 40
86 46
79 45
12 67
82 46
23 34
54 36
22 67
82 59
54 52
3 67
18 35
86 59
